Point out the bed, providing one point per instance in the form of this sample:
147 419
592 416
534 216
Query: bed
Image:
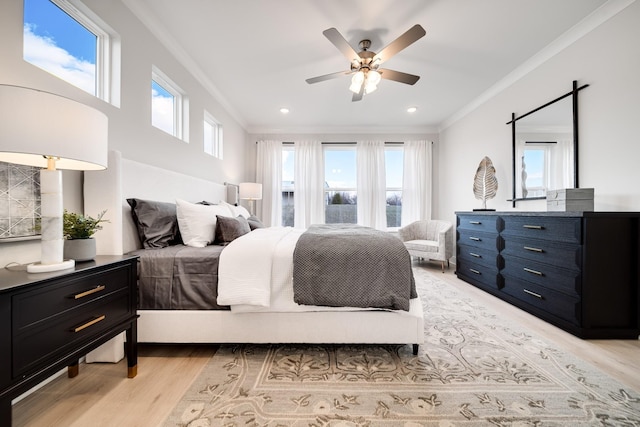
126 179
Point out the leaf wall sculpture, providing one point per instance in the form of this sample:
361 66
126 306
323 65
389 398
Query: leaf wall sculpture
485 183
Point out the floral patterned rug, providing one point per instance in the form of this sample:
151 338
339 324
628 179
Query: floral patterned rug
472 370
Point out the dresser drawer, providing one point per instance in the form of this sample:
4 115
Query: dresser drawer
555 303
543 227
490 224
565 255
53 299
483 274
39 343
551 277
478 239
478 255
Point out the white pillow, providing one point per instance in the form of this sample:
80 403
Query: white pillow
197 223
236 210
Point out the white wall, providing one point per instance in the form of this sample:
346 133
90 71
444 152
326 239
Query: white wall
608 60
130 129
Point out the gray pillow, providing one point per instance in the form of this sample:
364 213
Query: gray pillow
228 229
254 222
156 222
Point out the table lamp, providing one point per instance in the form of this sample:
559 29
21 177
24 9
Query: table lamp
42 129
251 191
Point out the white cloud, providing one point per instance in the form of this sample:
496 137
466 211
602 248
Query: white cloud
162 112
44 53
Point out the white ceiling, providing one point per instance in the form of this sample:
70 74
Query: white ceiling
254 55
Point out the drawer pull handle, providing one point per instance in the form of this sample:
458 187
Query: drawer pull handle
475 239
474 271
533 249
89 323
475 222
534 227
527 291
475 255
89 292
537 273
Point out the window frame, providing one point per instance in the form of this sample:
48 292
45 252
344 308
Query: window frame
107 67
340 147
180 104
393 147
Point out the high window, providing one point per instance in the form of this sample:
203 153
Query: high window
66 39
341 196
212 136
168 105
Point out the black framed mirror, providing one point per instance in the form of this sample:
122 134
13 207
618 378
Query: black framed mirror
545 148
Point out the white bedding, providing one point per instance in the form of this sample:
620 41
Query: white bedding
255 273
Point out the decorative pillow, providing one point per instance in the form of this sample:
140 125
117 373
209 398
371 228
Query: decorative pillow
254 222
236 210
197 222
156 222
229 229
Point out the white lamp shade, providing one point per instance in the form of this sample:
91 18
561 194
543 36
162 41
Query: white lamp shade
250 191
35 124
50 131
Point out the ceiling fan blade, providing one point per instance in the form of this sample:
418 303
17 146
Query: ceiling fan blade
343 46
398 76
412 35
328 77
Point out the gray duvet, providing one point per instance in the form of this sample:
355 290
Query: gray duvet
179 278
349 265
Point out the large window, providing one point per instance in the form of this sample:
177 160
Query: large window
341 196
287 185
64 38
340 186
168 105
212 136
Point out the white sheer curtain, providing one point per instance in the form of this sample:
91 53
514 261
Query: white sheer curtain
372 198
561 168
269 173
416 181
308 184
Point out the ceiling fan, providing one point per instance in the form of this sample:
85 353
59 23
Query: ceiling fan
365 65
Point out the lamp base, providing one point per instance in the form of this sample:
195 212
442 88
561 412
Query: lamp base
46 268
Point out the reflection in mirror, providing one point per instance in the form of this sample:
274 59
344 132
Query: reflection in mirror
544 151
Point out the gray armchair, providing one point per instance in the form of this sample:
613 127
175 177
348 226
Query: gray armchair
429 239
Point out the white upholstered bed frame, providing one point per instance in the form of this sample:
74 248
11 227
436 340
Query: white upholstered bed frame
125 178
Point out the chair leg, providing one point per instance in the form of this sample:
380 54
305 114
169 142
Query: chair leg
442 262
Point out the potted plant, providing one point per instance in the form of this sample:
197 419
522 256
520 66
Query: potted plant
77 230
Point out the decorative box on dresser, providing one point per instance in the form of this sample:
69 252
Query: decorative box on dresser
48 321
577 270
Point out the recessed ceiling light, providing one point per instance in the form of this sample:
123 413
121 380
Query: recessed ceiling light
284 110
412 109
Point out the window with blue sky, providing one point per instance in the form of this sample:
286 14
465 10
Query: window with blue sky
59 44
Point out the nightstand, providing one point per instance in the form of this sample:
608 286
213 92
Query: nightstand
51 320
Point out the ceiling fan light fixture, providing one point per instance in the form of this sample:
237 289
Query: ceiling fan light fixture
356 82
372 80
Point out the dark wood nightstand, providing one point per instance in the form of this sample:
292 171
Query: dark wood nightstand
50 320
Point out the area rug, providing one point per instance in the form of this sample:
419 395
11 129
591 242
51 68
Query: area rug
473 369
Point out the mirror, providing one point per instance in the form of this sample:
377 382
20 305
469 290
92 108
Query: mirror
545 147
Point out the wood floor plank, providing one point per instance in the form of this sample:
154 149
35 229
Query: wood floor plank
102 395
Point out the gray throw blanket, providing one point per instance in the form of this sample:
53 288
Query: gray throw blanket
352 266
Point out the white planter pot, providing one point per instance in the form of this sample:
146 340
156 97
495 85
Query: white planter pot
80 249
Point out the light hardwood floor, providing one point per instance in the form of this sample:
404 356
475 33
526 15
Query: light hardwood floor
102 395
